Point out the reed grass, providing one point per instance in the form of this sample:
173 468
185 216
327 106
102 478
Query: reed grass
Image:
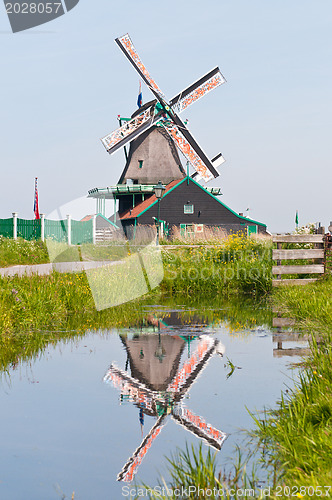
209 235
310 305
193 474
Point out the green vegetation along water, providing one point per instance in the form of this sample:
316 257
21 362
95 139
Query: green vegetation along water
79 403
239 267
39 314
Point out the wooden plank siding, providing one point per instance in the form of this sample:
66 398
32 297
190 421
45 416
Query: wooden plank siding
297 238
298 253
207 210
294 281
293 351
316 255
306 269
282 322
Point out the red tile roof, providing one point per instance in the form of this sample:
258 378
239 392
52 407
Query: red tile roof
86 218
136 211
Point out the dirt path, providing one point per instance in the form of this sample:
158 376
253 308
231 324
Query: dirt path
45 269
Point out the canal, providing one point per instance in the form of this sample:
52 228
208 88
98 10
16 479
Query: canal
94 413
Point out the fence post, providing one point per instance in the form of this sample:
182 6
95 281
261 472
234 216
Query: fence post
42 227
326 246
15 214
94 229
69 229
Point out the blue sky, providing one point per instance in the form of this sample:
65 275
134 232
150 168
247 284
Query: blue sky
64 83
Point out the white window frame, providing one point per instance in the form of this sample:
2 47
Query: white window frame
188 206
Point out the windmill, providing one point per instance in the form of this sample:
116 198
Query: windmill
169 402
165 114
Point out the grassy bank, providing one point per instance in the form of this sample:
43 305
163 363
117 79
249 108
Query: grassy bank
37 311
233 265
59 304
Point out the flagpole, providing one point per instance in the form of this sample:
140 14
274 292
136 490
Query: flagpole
36 205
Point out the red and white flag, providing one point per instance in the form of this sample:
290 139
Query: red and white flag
35 205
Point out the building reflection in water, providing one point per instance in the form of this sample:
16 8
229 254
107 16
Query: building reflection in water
159 379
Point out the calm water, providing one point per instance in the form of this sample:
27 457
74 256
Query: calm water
116 402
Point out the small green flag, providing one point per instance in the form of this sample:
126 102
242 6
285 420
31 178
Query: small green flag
297 218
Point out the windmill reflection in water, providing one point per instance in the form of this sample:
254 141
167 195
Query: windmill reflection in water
157 383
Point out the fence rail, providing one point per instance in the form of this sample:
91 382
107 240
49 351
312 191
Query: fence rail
29 229
7 228
316 257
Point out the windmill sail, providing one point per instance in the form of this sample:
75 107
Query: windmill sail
199 427
197 90
166 113
127 47
191 368
190 154
130 468
131 387
130 130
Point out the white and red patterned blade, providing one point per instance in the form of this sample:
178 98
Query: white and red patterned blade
130 130
127 47
216 162
131 466
131 387
191 368
199 427
203 168
197 90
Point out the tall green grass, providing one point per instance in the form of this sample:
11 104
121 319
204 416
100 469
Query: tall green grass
14 252
310 305
40 310
193 475
237 265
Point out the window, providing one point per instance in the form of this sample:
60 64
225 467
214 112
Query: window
187 230
252 229
140 163
188 209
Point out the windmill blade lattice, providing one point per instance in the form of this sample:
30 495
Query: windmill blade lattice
197 90
164 112
130 130
188 152
127 47
130 468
